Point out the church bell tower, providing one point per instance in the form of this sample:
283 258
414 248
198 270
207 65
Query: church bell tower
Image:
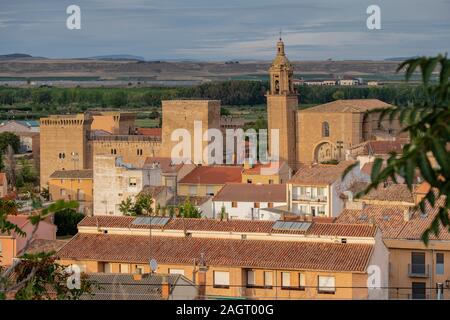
282 105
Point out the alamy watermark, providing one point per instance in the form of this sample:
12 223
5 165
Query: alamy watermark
241 147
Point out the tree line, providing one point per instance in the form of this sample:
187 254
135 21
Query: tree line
233 92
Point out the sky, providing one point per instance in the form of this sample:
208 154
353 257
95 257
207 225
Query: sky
225 29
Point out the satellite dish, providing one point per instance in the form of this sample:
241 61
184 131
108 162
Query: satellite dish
153 265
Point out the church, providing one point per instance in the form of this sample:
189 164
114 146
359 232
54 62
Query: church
321 134
324 133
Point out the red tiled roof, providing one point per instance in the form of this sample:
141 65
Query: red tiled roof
213 175
379 147
154 132
220 252
246 192
389 193
244 226
256 169
351 105
320 174
164 162
390 219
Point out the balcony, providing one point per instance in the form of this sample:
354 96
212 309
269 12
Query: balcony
419 270
309 198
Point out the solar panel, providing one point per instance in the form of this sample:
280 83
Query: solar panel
154 221
291 225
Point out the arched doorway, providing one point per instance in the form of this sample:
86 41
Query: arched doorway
325 152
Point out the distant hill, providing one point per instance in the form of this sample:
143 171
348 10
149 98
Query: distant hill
15 56
400 58
118 57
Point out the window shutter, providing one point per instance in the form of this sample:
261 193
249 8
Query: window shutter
221 278
327 284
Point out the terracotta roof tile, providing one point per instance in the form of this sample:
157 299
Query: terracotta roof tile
352 105
388 193
44 245
244 226
213 175
320 174
256 169
246 192
154 132
164 162
72 174
220 252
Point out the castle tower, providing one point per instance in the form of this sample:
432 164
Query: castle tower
63 140
282 105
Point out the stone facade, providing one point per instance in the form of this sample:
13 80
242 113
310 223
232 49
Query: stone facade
63 144
181 114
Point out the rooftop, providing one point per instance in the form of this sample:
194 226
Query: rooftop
165 164
348 106
119 286
389 193
391 220
246 192
155 132
320 174
237 226
256 169
216 175
220 252
72 174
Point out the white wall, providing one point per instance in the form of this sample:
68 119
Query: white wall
244 209
112 183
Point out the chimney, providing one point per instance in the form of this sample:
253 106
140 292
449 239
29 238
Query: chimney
137 276
202 282
165 288
406 215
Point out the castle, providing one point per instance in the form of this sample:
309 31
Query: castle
315 135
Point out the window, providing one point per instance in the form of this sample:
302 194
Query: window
325 129
192 190
301 281
62 192
439 263
124 268
61 181
251 278
418 290
256 205
285 279
234 204
209 190
304 209
270 181
105 267
270 205
268 279
139 152
327 285
221 279
176 271
80 194
249 180
417 262
321 210
132 182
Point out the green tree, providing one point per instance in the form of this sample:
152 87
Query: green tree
338 95
143 205
126 207
34 274
67 220
188 210
428 152
9 139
